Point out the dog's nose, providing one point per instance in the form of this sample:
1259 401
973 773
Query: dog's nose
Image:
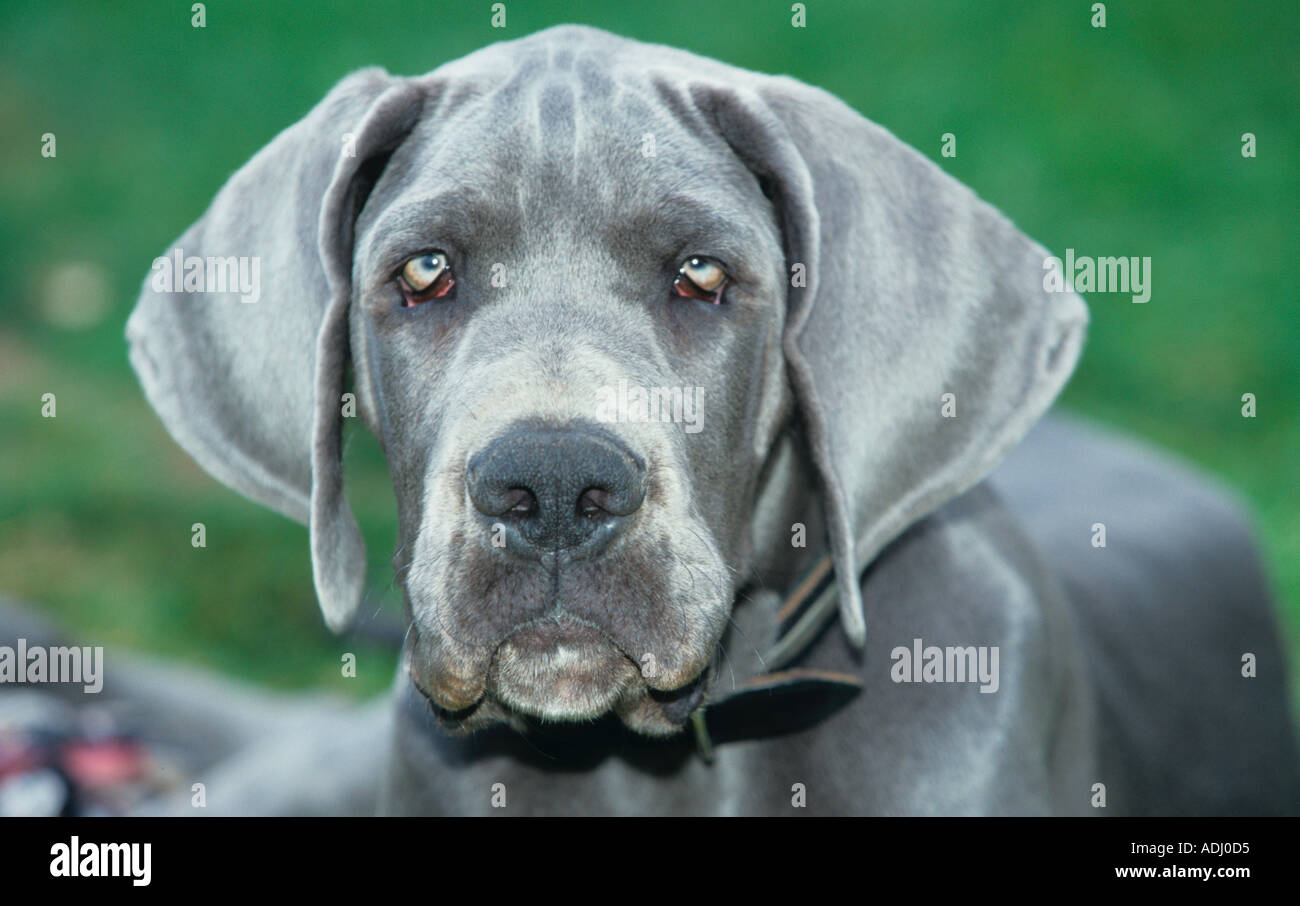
557 488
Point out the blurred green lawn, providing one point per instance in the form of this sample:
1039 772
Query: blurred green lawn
1117 141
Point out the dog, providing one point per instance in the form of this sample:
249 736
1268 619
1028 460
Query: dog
672 363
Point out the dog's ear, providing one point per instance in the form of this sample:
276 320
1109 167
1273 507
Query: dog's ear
249 379
905 288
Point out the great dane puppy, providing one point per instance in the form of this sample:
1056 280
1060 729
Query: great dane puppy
669 361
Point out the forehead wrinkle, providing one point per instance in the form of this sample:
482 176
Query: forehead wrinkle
594 77
712 218
583 179
675 220
554 122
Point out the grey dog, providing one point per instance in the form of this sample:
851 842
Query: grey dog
671 362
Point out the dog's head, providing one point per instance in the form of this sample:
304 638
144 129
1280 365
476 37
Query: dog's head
583 284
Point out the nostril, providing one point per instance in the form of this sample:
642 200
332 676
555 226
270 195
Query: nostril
520 502
594 503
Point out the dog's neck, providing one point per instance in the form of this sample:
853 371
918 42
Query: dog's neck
788 538
766 682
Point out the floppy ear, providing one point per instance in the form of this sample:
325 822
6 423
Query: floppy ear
250 382
914 289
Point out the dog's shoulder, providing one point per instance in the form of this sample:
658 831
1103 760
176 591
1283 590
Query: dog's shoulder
975 700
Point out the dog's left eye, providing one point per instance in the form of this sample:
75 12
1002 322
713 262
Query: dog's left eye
426 277
701 278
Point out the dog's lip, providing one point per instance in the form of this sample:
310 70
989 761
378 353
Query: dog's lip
452 710
560 627
544 637
560 668
678 705
554 629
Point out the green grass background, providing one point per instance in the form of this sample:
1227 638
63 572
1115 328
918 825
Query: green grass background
1117 141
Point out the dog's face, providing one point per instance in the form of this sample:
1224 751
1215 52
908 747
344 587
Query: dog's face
583 283
577 375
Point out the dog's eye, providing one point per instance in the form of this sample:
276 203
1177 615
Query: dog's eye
701 278
426 277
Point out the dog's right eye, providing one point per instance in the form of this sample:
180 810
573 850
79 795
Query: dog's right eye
424 277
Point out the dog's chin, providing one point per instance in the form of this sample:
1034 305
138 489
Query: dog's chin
561 670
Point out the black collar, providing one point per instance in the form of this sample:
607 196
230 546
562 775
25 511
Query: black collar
780 701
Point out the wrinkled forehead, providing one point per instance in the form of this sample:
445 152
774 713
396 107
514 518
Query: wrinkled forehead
562 148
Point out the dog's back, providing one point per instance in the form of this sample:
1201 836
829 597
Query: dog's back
1175 622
